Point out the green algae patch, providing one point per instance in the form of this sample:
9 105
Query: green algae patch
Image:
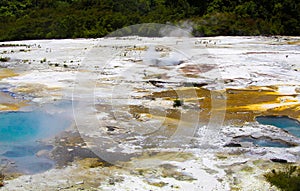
286 179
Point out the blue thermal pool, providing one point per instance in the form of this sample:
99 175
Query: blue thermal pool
20 138
283 122
264 142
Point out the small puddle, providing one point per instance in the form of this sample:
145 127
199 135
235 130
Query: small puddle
264 142
22 135
283 122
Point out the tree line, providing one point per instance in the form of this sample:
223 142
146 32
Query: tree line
40 19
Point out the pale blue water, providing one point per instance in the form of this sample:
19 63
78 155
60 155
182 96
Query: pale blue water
264 142
21 133
29 126
23 158
286 123
283 122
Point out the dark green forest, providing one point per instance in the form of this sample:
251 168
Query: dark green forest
40 19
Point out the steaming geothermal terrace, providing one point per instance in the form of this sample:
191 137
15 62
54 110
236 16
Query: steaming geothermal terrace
153 113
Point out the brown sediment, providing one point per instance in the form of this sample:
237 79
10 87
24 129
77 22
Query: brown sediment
38 90
8 103
9 107
239 105
137 48
262 53
71 147
35 88
91 163
165 156
193 71
296 42
5 176
6 73
146 159
163 76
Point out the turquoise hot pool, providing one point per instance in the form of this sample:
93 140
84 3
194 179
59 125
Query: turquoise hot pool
283 122
22 138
